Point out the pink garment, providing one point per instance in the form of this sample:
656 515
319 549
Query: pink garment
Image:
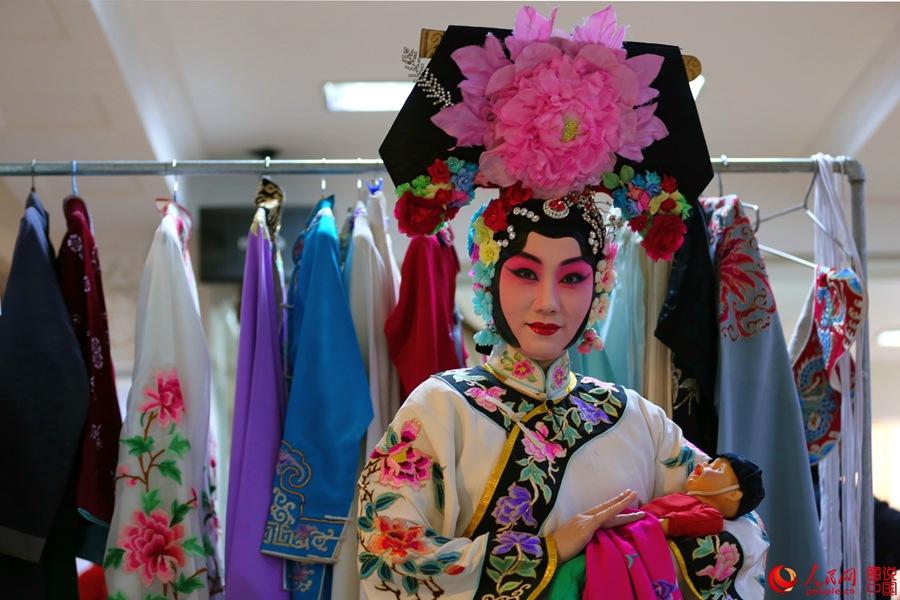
631 561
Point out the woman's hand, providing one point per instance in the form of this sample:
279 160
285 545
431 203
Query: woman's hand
574 534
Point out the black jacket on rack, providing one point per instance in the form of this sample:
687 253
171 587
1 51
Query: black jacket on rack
43 405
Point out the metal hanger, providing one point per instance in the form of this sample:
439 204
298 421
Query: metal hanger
753 207
804 206
33 163
758 219
74 180
175 183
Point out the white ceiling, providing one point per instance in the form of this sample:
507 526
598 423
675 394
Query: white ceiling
142 80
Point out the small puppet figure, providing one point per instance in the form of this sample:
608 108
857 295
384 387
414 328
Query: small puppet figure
725 488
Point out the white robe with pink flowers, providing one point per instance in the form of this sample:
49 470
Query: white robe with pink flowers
162 537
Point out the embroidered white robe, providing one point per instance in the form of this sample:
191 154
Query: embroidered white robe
162 485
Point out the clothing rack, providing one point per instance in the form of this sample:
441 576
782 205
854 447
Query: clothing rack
848 167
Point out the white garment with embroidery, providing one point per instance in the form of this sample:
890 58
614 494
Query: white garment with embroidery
421 492
158 544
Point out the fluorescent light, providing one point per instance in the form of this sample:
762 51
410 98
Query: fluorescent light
889 338
366 96
696 84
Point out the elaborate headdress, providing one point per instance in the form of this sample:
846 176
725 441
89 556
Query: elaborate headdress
580 131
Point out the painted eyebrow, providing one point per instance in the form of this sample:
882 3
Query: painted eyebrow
534 258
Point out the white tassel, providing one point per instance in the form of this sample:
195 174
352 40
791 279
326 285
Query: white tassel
841 472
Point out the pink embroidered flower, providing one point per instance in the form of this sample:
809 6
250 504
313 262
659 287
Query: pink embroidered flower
166 397
557 112
522 369
396 538
559 376
544 450
403 464
484 397
152 547
726 558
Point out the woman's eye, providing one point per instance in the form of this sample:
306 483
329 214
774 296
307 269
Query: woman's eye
573 278
524 273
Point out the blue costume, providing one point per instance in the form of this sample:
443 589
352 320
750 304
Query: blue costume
327 414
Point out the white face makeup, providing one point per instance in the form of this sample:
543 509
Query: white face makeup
545 293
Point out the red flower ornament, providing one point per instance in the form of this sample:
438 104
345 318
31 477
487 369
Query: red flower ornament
665 236
416 215
495 216
439 172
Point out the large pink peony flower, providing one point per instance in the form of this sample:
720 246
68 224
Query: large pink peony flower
166 397
556 115
152 547
404 465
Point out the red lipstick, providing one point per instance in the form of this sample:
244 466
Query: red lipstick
544 328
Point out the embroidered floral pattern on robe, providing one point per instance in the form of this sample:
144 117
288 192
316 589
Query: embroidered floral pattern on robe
746 302
155 543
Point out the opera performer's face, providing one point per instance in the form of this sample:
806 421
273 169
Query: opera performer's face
545 293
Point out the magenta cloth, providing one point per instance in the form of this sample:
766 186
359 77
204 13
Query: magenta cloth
631 561
259 404
420 328
79 279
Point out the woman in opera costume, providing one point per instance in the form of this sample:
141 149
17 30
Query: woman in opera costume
490 478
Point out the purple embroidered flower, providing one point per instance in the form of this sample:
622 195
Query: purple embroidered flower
663 589
590 413
514 506
522 542
559 376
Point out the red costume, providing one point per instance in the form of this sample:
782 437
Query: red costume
687 515
420 328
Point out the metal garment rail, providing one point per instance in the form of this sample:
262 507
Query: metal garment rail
848 167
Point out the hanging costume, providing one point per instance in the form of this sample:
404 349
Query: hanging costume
372 280
420 328
82 287
44 398
259 409
325 421
755 408
162 539
827 330
831 387
687 325
622 332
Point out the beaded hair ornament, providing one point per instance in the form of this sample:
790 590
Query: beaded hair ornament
544 114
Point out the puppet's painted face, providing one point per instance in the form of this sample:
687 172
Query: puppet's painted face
711 477
545 293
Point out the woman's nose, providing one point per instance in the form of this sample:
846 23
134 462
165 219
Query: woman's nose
547 296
